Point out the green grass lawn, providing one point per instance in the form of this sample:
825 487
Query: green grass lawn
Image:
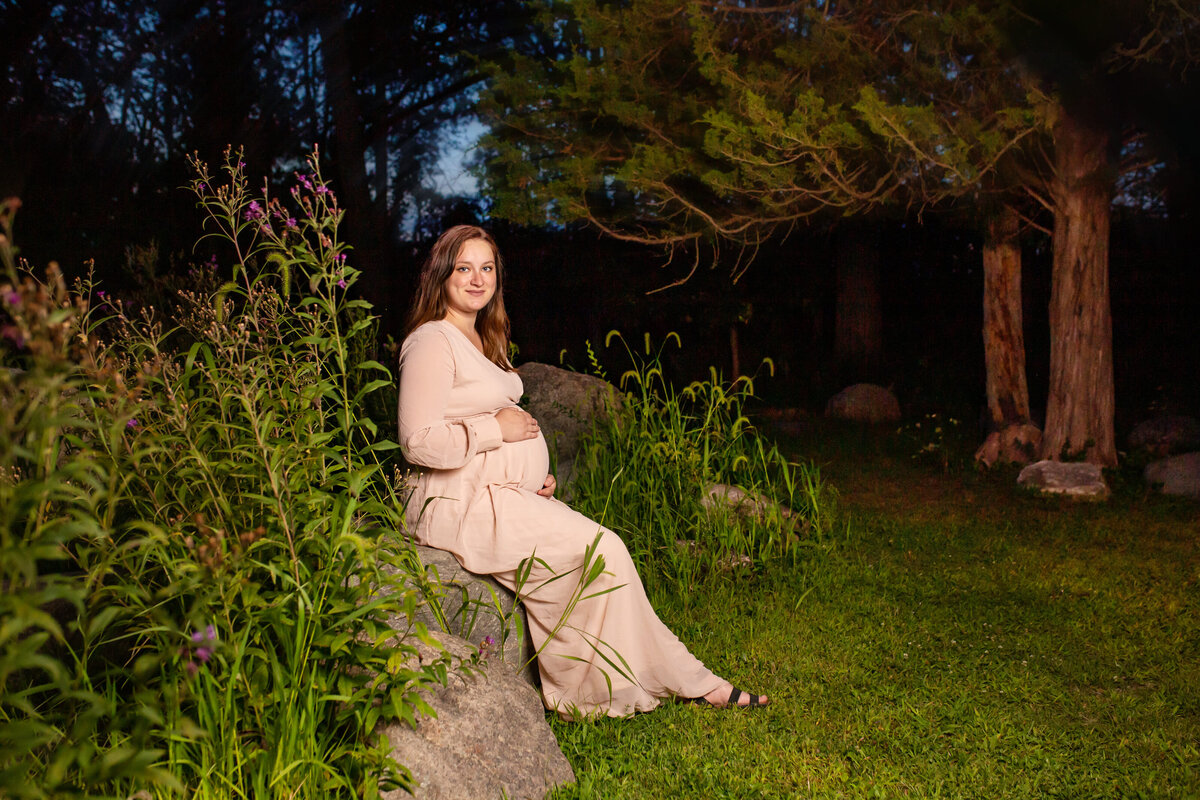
965 640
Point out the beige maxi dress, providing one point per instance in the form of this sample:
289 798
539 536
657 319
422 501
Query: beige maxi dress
477 498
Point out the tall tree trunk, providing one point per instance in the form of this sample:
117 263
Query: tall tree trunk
363 230
1079 411
1003 335
858 319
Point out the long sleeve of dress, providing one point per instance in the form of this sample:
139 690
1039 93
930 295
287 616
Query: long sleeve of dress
427 436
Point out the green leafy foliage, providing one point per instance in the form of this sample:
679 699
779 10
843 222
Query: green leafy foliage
671 123
194 587
649 470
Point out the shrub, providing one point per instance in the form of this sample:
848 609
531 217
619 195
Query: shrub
208 520
647 473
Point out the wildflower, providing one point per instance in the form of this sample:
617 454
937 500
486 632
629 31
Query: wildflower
209 634
342 283
205 643
13 298
132 423
489 641
253 211
321 189
304 180
201 187
291 223
14 335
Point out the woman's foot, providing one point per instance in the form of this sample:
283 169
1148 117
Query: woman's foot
727 696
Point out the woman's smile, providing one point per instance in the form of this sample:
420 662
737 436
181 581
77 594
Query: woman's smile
472 283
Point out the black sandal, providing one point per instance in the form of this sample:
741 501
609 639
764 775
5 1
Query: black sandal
735 694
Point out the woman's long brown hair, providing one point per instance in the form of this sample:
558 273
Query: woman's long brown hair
429 304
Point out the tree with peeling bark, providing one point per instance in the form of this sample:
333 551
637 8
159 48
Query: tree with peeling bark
729 122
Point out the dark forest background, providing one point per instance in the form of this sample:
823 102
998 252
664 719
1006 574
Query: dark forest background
101 102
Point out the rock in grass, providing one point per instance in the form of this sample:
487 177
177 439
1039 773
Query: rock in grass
864 402
1074 479
1016 444
1178 475
490 738
1166 435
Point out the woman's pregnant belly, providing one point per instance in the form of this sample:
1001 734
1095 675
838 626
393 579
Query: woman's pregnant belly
525 463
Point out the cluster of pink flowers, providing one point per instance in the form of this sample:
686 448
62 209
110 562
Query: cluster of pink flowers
203 644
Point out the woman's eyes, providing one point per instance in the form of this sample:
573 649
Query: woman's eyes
488 268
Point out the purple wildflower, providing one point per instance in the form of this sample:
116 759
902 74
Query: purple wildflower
13 298
304 180
291 223
14 335
201 187
253 211
321 189
342 283
204 644
132 423
489 641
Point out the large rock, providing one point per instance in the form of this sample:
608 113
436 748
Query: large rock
1074 479
1016 444
490 738
1165 435
864 402
475 607
1176 475
566 405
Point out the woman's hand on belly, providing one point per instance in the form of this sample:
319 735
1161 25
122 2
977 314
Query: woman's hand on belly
547 489
516 425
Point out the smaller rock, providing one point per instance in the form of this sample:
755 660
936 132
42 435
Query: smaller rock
864 402
1178 475
740 501
1166 435
1074 479
1016 444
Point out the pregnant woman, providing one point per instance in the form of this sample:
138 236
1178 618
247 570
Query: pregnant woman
485 494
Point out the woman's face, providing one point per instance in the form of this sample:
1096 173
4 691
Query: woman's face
472 281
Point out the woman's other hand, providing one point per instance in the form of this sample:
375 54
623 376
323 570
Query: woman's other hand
547 489
516 425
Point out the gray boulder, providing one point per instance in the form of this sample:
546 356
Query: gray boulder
1166 435
475 607
1176 475
864 402
1073 479
566 404
490 738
